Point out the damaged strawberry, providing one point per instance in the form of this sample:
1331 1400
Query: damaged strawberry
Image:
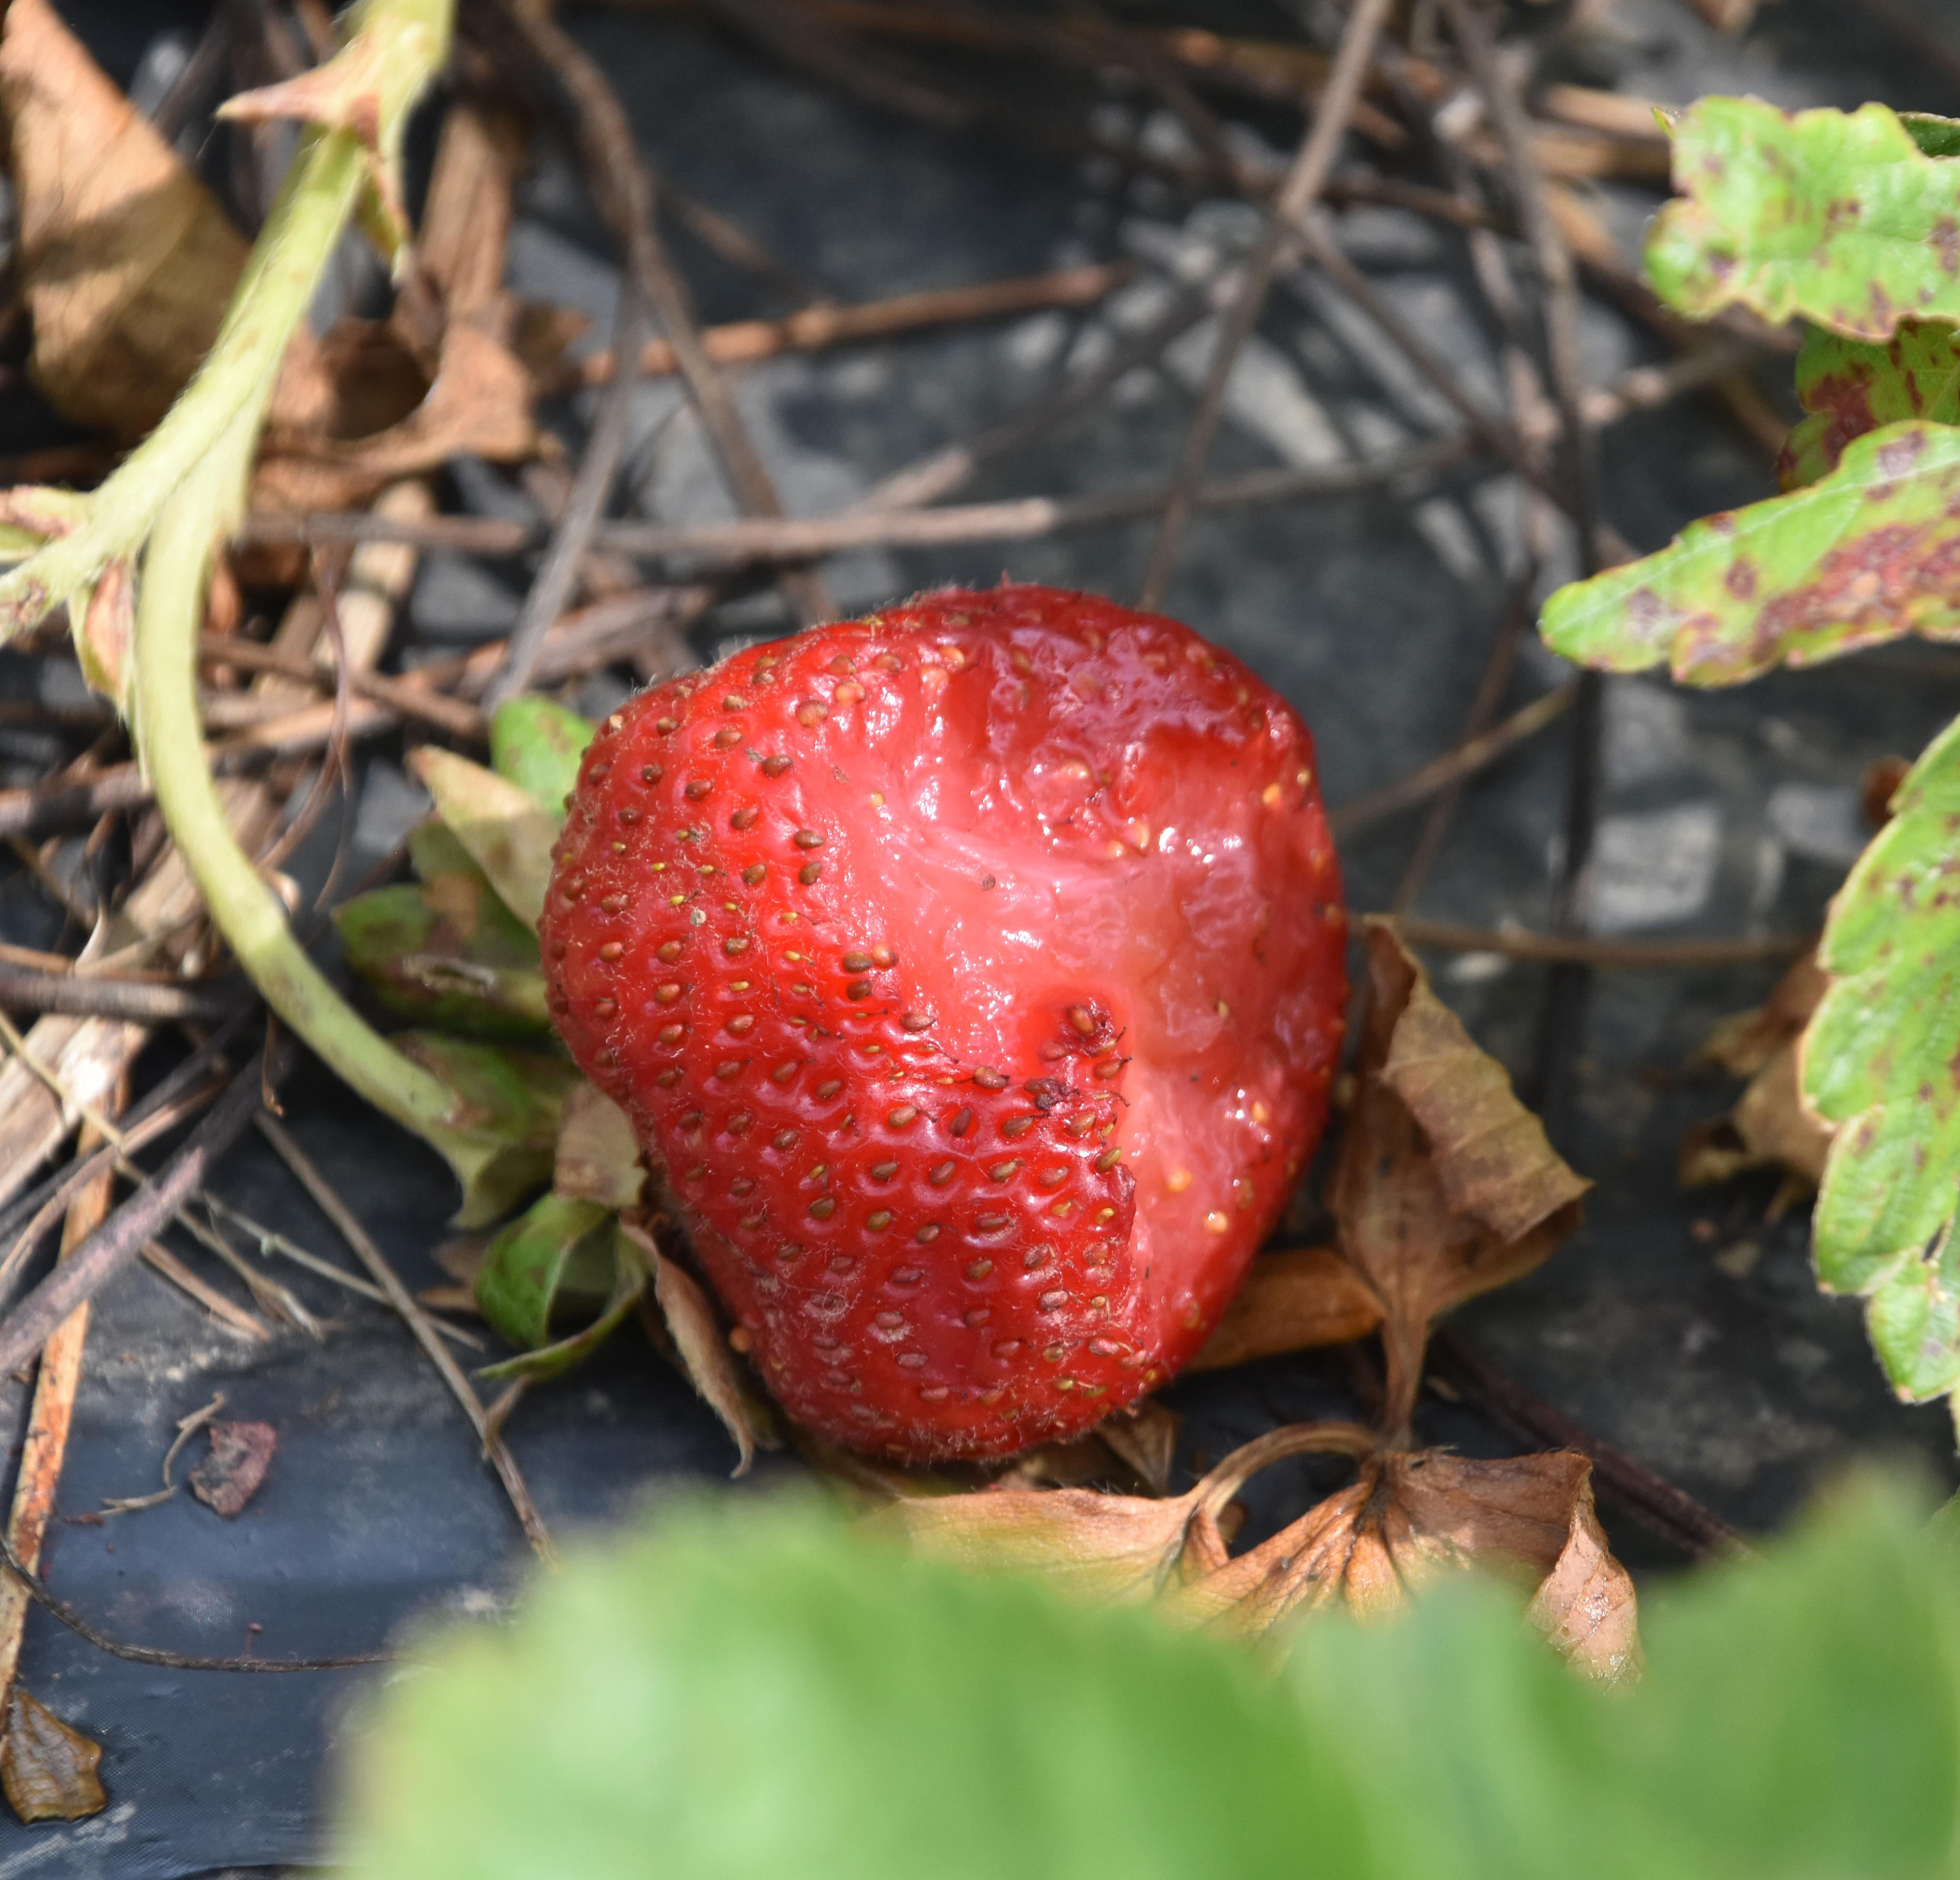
975 970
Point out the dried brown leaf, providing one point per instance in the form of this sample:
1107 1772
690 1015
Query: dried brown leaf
1744 1044
1410 1516
1293 1300
598 1154
1143 1438
235 1468
108 627
709 1365
49 1770
1446 1185
126 262
1107 1546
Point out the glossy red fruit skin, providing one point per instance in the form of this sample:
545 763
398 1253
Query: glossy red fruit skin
911 945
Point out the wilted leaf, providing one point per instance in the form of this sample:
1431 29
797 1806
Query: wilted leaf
1851 387
1871 553
1446 1185
1410 1516
508 1106
104 631
1882 1060
705 1358
1106 1547
1144 1439
48 1769
598 1154
519 1277
448 953
235 1468
1744 1044
1295 1299
536 744
505 832
126 262
629 1282
1839 217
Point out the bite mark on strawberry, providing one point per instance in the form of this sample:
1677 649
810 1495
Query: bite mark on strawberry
975 969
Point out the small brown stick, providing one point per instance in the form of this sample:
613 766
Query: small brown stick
121 1238
816 328
413 697
45 1444
1588 950
142 1001
418 1321
1473 754
159 1259
66 1614
1657 1504
1303 183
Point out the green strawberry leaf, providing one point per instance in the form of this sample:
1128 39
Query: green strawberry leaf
449 954
1882 1060
1871 553
518 1281
508 1105
1840 218
629 1281
1851 387
537 745
499 825
745 1691
754 1688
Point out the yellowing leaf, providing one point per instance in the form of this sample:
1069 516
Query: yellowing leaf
1839 217
503 831
598 1154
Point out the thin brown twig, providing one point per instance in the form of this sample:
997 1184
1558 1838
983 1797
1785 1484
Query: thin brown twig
816 328
414 698
142 1001
382 1271
1310 173
1476 751
121 1238
1589 949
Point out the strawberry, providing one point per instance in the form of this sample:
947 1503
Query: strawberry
975 970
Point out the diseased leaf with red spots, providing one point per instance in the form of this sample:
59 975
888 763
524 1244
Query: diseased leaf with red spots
1851 387
1839 218
1871 553
1882 1060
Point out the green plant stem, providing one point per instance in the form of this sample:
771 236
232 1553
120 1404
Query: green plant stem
172 745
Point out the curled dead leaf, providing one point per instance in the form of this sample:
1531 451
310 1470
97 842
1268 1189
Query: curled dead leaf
126 262
234 1470
705 1358
1143 1438
1770 1127
1106 1546
598 1154
1410 1516
49 1769
1292 1299
1446 1186
105 631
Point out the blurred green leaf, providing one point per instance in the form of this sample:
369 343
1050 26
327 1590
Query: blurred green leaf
524 1264
448 954
629 1281
503 831
1839 217
537 745
1851 387
1871 553
757 1691
509 1102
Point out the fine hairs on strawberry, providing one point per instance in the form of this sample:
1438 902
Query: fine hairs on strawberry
975 972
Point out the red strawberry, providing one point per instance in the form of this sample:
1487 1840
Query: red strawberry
975 969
